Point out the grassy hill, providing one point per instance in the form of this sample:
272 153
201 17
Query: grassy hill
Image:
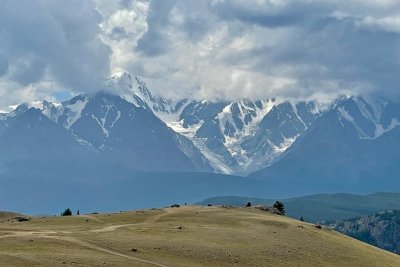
186 236
322 206
5 215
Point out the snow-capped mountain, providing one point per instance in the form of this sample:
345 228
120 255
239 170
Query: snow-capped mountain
122 145
236 137
354 147
101 124
139 129
135 90
233 137
371 118
31 140
243 136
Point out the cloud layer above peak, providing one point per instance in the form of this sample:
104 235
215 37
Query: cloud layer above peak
259 48
212 49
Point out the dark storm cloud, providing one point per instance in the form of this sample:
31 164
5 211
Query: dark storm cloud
342 49
265 13
155 40
194 22
57 38
270 47
207 48
3 65
319 45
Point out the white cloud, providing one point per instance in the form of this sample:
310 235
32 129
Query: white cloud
260 48
390 24
50 40
206 49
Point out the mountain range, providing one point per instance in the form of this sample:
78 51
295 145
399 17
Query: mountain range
294 147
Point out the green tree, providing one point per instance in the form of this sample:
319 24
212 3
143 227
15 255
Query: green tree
280 207
67 212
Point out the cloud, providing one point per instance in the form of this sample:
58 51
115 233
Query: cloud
267 13
390 24
3 65
213 49
51 40
260 48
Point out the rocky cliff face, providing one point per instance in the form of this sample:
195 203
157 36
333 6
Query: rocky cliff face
380 229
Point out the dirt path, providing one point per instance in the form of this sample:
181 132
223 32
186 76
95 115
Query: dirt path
90 245
156 217
27 233
51 235
101 249
151 219
111 228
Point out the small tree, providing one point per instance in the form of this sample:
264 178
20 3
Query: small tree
67 212
248 205
280 207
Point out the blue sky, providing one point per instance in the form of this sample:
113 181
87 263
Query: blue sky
212 49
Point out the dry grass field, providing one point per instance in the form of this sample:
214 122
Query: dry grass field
186 236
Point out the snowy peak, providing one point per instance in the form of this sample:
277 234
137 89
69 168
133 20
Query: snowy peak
135 90
32 134
92 118
48 109
72 110
102 128
371 118
245 135
241 117
197 112
287 121
120 80
103 109
18 110
237 137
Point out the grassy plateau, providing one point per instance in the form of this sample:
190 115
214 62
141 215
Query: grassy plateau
185 236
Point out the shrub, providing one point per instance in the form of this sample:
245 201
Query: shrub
67 212
280 207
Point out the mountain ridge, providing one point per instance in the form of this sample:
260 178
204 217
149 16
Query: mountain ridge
342 147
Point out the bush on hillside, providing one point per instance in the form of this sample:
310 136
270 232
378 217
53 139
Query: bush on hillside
67 212
280 207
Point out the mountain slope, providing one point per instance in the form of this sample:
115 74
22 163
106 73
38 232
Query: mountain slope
102 127
380 229
236 137
345 150
243 136
31 134
129 135
347 146
135 90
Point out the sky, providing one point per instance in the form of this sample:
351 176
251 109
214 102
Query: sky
213 49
